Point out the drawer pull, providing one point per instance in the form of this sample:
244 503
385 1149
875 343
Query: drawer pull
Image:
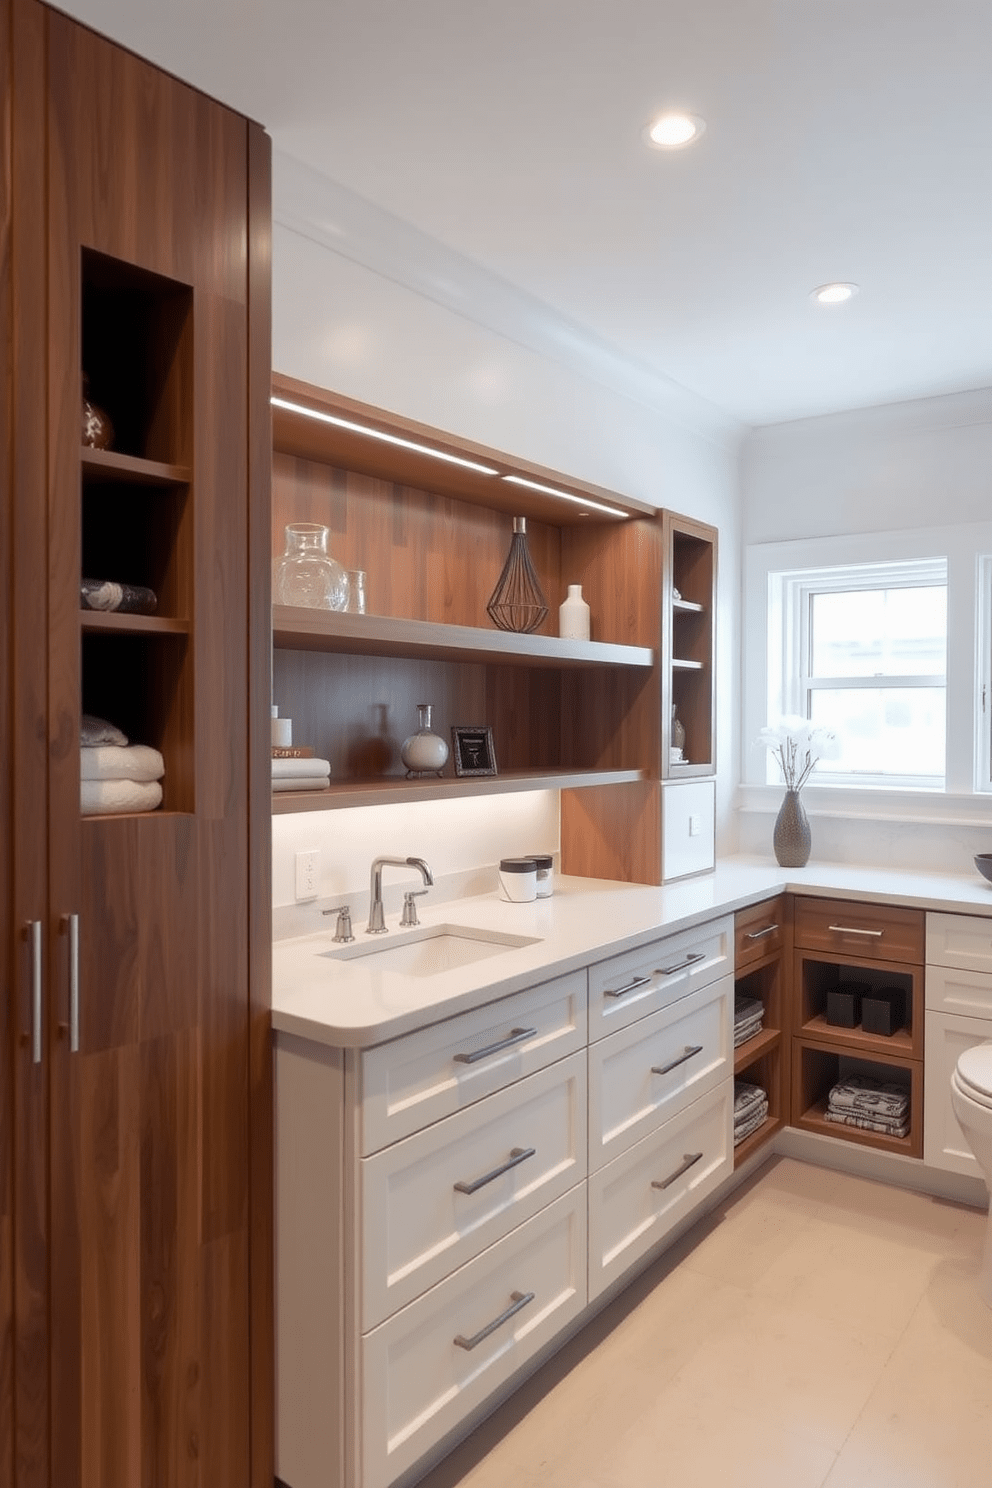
33 932
688 1053
517 1156
690 960
690 1159
515 1036
629 987
853 930
760 934
520 1299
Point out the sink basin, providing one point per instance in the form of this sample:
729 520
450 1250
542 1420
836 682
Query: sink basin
430 949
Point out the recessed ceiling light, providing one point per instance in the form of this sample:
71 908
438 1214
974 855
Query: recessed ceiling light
673 130
833 294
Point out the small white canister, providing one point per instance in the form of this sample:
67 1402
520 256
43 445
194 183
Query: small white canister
545 865
518 880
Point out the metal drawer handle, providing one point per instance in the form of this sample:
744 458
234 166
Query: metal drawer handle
33 931
641 981
517 1156
516 1036
690 1159
520 1299
70 923
688 1053
760 934
853 930
690 960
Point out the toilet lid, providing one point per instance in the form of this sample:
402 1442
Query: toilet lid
975 1070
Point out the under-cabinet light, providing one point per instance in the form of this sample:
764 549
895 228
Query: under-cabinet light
410 444
518 480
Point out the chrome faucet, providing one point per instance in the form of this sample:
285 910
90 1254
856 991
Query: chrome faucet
376 924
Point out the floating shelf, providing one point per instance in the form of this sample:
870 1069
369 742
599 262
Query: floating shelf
109 466
688 606
116 622
680 665
396 788
298 629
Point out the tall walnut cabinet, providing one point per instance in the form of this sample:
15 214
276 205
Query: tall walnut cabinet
135 1189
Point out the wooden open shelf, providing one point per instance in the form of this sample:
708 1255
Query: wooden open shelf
750 1145
110 467
856 1041
755 1048
394 789
119 623
817 1065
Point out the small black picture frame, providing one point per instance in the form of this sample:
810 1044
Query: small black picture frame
473 749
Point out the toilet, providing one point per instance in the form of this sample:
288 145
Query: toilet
971 1098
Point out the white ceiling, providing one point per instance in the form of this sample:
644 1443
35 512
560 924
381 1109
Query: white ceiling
846 139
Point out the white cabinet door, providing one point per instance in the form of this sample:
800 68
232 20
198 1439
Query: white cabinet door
636 1199
947 1037
962 941
439 1358
967 993
424 1076
438 1198
630 986
645 1073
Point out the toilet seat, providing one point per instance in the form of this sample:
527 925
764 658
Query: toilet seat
974 1074
976 1100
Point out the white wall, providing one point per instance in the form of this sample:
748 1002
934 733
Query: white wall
468 359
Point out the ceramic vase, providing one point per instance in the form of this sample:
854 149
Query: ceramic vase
573 616
791 838
424 753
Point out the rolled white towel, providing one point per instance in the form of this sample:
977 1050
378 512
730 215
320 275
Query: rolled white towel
113 797
121 762
302 782
285 769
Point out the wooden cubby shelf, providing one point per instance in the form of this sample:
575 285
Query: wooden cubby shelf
762 1043
111 467
119 623
396 788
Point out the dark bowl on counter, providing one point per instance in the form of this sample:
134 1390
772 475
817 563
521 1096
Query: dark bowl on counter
983 862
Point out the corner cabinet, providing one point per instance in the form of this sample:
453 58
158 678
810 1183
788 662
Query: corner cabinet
762 942
134 1192
404 503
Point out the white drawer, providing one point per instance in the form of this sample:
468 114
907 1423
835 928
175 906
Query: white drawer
645 1073
636 1199
435 1200
415 1080
418 1383
632 985
967 993
962 942
944 1143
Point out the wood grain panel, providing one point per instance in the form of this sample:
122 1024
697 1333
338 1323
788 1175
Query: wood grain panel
613 832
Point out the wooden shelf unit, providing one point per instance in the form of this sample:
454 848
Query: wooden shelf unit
762 941
689 632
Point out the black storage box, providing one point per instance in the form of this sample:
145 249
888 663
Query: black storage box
883 1010
844 1003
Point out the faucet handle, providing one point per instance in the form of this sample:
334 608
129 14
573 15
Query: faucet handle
409 915
343 931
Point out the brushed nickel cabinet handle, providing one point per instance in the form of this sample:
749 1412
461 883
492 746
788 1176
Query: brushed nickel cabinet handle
688 1053
690 1159
517 1156
519 1300
690 960
640 981
760 934
33 931
515 1036
853 930
71 924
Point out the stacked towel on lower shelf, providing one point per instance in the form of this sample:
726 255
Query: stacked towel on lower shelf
750 1109
869 1105
300 774
749 1014
119 778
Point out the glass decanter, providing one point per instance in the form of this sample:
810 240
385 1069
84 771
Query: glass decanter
306 574
424 753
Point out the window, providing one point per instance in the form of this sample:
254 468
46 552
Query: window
862 649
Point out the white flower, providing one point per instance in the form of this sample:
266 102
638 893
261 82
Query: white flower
798 745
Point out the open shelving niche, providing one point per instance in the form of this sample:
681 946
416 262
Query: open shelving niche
432 538
761 935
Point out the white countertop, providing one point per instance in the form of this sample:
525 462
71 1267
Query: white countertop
350 1005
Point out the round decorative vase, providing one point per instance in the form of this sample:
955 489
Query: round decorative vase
791 838
424 753
306 574
97 430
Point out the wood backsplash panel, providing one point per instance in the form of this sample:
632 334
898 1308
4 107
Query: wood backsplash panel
427 557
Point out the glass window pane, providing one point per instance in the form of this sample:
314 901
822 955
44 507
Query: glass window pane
879 632
883 730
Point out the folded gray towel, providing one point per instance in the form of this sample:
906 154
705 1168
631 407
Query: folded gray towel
869 1097
746 1008
746 1097
890 1128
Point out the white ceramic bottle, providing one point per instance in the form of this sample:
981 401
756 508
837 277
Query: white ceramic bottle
573 616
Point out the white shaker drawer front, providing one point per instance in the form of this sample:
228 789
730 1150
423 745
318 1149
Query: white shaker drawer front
418 1079
967 993
944 1143
432 1363
636 1199
961 941
644 1074
637 983
438 1198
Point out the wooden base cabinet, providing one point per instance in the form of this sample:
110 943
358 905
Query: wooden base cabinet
762 946
139 1223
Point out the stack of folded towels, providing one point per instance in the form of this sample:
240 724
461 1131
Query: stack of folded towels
750 1109
300 774
748 1015
116 777
871 1105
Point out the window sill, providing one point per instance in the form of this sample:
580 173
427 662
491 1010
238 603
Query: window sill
871 803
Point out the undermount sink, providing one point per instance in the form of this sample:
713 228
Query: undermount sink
431 949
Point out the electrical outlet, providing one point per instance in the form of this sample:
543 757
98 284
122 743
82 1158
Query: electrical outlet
695 825
307 869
